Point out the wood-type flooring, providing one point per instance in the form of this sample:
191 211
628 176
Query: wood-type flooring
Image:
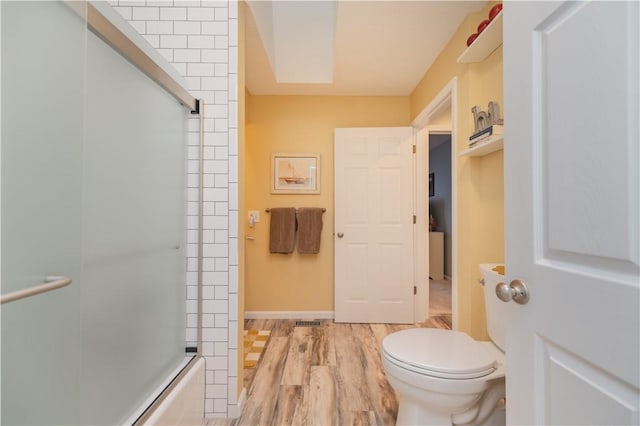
325 375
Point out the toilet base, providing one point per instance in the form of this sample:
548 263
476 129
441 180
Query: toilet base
413 413
489 410
497 418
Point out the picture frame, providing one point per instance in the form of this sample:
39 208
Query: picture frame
432 184
295 173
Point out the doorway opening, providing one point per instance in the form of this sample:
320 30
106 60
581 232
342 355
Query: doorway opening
440 232
435 130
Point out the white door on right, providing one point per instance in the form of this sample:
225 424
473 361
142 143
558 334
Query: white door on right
572 197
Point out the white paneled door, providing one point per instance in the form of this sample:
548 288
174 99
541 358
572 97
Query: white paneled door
374 251
572 194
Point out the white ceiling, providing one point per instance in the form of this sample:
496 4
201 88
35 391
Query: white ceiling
382 48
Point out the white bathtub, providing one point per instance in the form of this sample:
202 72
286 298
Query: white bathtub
177 402
184 405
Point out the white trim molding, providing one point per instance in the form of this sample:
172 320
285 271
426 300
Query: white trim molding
446 98
234 410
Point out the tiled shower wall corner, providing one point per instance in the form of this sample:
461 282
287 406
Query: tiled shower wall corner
200 39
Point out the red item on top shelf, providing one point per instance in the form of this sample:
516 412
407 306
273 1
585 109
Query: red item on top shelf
484 24
472 38
495 10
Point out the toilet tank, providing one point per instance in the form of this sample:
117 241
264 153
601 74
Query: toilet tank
497 310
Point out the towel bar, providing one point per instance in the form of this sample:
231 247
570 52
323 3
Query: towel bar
50 283
268 210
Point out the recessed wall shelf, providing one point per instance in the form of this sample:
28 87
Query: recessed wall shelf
488 41
487 146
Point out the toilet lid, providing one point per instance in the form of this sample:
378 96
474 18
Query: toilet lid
439 353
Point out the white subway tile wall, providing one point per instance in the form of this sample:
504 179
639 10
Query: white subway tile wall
199 38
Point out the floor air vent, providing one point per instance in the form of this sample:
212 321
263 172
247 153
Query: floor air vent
307 323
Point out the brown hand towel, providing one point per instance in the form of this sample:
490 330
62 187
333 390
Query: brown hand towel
309 230
282 230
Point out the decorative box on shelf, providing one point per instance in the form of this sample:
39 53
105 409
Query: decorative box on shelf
486 133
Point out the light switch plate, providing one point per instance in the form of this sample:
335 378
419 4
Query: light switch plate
255 214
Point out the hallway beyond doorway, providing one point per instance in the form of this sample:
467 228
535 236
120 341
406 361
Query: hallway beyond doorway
439 298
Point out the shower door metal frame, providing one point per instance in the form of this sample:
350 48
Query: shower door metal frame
108 32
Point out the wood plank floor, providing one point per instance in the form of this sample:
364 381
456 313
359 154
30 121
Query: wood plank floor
326 375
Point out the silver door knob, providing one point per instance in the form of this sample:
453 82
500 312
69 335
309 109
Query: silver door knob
516 291
340 235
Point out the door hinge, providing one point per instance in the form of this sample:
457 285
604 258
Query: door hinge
414 149
414 219
415 290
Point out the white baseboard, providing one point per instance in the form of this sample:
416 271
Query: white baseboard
288 315
234 410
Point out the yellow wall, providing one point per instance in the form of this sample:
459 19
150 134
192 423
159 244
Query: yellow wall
277 282
480 197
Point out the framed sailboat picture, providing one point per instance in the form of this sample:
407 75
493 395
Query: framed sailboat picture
295 173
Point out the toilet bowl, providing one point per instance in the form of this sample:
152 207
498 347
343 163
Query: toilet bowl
444 376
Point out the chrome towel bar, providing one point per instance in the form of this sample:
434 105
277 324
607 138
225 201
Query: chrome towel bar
51 283
268 210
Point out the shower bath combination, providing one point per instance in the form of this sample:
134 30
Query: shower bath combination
93 163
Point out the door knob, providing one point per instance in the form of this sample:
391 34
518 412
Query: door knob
516 291
340 235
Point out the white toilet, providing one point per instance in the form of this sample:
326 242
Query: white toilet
445 377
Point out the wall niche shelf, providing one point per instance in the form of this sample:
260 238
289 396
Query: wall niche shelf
488 41
487 146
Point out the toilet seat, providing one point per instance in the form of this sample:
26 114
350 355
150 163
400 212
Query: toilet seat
438 353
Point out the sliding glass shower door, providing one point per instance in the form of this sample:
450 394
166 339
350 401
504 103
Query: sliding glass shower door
43 79
133 302
92 188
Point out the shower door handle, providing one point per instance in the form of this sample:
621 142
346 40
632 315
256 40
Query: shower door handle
50 283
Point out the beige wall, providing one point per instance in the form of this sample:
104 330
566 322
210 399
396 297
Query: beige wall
480 197
276 282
